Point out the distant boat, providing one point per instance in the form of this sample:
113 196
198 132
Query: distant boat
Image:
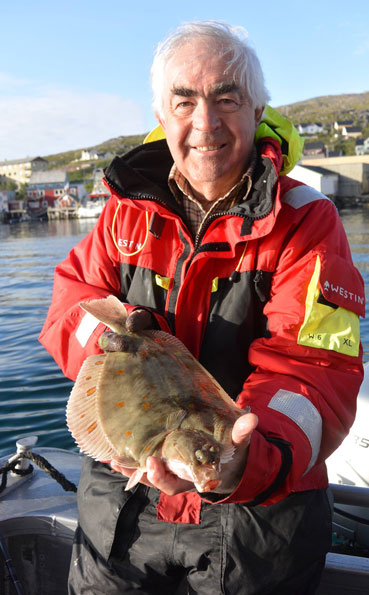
92 207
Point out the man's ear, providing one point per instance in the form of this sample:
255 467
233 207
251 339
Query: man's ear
259 114
160 120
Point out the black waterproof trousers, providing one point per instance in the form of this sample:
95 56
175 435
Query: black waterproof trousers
236 550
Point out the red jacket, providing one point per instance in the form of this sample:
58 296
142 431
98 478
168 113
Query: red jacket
267 298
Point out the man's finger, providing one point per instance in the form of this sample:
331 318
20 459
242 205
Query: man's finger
243 428
139 320
110 341
164 480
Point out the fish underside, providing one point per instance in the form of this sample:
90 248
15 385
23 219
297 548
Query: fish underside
153 400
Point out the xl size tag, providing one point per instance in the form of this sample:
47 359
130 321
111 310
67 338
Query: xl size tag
333 304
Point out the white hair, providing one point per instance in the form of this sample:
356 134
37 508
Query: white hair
230 40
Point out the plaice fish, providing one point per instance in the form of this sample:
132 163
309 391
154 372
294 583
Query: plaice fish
153 400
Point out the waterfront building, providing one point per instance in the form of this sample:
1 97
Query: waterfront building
21 170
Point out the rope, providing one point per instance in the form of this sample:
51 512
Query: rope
41 462
114 238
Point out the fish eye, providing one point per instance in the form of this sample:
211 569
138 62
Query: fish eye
199 455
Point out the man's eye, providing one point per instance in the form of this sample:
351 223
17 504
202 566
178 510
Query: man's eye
227 104
183 104
183 108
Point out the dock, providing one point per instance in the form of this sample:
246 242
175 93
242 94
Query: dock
62 213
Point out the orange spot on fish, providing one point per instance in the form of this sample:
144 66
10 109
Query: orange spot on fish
147 405
99 363
147 448
88 378
128 433
92 427
121 371
120 404
82 415
91 391
161 421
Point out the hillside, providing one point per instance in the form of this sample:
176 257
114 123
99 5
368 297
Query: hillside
326 110
354 106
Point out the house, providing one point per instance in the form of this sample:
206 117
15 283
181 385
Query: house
45 188
351 131
316 149
321 179
353 173
339 124
359 146
6 196
92 154
334 153
310 128
99 188
21 170
11 207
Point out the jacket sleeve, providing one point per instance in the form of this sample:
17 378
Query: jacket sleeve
90 271
308 371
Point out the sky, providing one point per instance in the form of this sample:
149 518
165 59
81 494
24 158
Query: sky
76 73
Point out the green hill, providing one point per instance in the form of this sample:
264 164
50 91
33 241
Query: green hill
326 110
329 108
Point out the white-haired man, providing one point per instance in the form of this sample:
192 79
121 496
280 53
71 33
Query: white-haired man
206 237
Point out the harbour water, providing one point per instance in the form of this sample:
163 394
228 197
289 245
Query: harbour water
33 391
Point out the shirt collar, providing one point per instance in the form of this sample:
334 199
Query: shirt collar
181 188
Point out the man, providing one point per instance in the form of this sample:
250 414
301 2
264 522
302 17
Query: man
210 241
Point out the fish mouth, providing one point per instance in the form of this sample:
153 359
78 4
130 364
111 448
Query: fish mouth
206 479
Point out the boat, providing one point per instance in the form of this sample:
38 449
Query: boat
92 207
38 518
38 515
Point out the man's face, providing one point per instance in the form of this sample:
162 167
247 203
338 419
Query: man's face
207 118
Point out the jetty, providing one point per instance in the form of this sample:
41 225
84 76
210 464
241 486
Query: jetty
62 212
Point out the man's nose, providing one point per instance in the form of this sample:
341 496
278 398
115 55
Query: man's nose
205 116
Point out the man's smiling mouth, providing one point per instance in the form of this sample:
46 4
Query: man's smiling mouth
206 148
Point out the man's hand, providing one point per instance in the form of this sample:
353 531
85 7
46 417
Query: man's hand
138 320
159 476
231 473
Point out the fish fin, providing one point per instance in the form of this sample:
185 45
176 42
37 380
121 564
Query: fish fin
128 462
169 342
82 411
108 310
175 419
227 453
134 479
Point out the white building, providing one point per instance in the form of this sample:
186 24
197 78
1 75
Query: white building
319 178
20 170
310 128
